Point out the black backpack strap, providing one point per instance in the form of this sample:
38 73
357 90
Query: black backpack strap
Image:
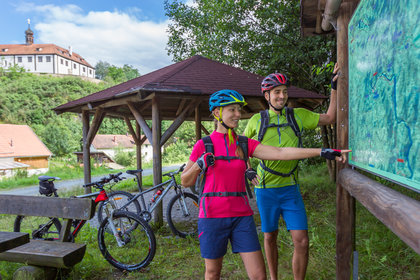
208 144
243 143
290 117
265 119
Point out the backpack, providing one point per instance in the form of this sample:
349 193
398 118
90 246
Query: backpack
291 121
201 179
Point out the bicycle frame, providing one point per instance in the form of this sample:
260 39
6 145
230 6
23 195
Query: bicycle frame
170 183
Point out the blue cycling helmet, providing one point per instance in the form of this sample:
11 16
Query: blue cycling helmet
225 97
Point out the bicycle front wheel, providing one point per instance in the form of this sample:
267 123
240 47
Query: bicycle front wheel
138 244
116 200
38 227
182 214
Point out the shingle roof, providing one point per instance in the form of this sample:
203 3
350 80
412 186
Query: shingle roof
196 75
41 49
20 141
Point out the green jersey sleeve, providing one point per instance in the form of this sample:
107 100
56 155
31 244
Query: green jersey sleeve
251 127
306 119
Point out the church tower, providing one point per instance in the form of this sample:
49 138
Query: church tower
29 34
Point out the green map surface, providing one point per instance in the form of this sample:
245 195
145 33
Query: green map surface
384 90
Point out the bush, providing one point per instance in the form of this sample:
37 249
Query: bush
125 158
176 152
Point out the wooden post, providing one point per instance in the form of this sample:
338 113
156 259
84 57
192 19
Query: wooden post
86 150
197 119
138 153
157 155
345 209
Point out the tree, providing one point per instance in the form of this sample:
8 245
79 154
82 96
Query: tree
257 36
114 74
101 69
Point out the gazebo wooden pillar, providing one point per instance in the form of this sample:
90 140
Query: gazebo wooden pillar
86 147
345 211
157 154
89 132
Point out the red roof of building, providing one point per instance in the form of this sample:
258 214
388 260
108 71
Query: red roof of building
111 141
20 141
41 49
196 75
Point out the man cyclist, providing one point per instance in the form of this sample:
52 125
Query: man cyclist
278 190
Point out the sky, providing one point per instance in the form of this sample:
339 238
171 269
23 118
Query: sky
119 32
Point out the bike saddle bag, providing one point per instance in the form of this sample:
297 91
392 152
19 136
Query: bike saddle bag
46 188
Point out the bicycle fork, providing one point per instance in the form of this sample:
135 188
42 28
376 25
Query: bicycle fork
114 229
183 205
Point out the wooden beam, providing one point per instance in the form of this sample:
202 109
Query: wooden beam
86 150
401 214
204 130
181 106
262 104
96 122
140 120
345 208
157 155
138 153
179 120
132 132
197 120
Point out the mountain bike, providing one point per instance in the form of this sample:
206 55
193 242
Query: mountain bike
181 211
125 240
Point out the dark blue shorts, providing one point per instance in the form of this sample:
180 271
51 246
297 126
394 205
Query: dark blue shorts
214 234
284 201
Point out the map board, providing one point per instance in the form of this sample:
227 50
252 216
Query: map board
384 89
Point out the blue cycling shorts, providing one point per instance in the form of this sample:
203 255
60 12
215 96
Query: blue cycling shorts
284 201
214 234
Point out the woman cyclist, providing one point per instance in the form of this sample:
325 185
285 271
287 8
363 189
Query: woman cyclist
225 214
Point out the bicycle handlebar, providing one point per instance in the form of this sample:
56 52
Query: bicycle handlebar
111 177
170 174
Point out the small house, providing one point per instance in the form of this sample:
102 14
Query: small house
20 148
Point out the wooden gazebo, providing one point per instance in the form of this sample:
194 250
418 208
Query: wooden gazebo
178 92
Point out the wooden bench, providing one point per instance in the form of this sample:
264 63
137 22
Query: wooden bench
56 254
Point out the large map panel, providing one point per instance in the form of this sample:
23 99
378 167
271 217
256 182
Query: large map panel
384 91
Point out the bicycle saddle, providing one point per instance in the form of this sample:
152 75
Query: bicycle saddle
132 172
47 178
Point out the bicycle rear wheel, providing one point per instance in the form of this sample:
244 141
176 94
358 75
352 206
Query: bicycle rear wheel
116 199
182 214
38 227
139 243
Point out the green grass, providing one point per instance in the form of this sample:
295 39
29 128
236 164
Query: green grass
382 255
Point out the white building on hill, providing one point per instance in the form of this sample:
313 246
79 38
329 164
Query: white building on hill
44 58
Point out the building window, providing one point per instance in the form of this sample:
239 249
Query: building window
29 58
61 61
84 69
90 71
19 59
74 66
48 58
39 58
67 63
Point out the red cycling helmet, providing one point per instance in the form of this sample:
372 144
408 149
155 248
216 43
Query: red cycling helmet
274 80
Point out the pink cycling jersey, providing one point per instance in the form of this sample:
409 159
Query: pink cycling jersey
224 176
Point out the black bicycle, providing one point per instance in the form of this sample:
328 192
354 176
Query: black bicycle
125 240
181 211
